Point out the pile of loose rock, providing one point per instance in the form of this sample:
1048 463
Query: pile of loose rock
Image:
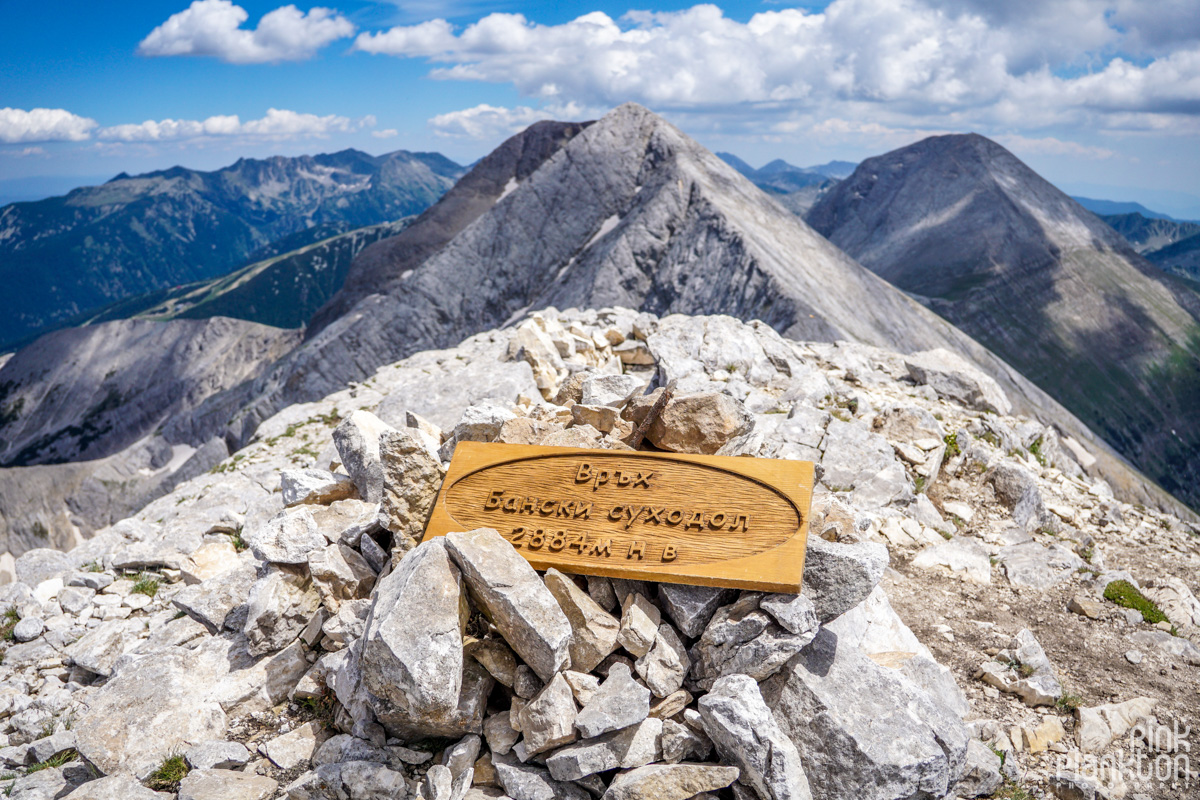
278 628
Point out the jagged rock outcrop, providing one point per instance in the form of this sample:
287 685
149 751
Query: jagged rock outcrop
1041 282
877 698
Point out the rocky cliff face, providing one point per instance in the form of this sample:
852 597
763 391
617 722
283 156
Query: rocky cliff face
274 625
65 256
1041 282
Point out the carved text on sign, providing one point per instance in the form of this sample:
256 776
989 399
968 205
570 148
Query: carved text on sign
661 516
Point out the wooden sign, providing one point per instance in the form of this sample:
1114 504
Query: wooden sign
706 520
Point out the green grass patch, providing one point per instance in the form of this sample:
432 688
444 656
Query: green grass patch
952 448
64 757
1011 791
1125 595
146 585
1036 450
1068 703
168 775
7 623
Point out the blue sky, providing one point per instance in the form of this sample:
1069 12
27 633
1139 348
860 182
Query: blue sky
1100 96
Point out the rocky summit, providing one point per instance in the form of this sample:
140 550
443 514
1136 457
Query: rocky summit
979 615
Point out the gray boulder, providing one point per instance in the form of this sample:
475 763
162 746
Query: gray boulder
862 730
837 576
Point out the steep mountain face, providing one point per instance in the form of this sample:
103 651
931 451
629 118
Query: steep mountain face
630 212
1181 258
65 256
1027 271
1148 234
283 291
86 393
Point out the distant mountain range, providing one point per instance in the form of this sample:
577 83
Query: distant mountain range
998 251
1115 207
64 257
797 188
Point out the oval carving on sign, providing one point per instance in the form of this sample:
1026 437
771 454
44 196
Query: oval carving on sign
584 507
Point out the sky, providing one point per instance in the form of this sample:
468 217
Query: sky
1102 97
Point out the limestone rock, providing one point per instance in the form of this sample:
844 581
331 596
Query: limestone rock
609 390
288 537
857 460
981 776
795 612
296 747
697 423
669 782
738 722
530 782
1092 609
339 573
618 703
1033 678
960 556
162 702
315 486
115 787
515 599
28 629
1099 726
1031 564
349 779
666 664
548 720
224 784
837 577
217 754
281 603
214 601
864 731
593 630
634 746
742 638
357 440
953 378
412 647
691 607
639 624
412 477
1175 599
1017 489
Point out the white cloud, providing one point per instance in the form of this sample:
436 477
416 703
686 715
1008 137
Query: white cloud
213 28
386 133
43 125
277 125
1050 146
25 152
487 122
902 64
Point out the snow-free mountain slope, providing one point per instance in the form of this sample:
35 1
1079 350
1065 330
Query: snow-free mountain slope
629 212
65 256
1042 282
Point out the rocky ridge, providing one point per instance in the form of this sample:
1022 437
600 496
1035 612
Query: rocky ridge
275 625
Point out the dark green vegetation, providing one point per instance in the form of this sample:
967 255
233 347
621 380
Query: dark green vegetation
283 290
1044 284
64 257
1125 595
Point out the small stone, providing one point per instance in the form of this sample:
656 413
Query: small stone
669 782
609 390
28 629
664 667
357 441
1088 608
217 754
548 721
339 573
672 704
288 537
742 638
600 589
794 612
639 624
1099 726
1133 657
295 747
500 734
1049 731
315 486
593 630
531 782
634 746
618 703
224 784
837 576
981 775
412 477
692 607
114 787
496 658
602 418
738 722
515 598
281 603
583 685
